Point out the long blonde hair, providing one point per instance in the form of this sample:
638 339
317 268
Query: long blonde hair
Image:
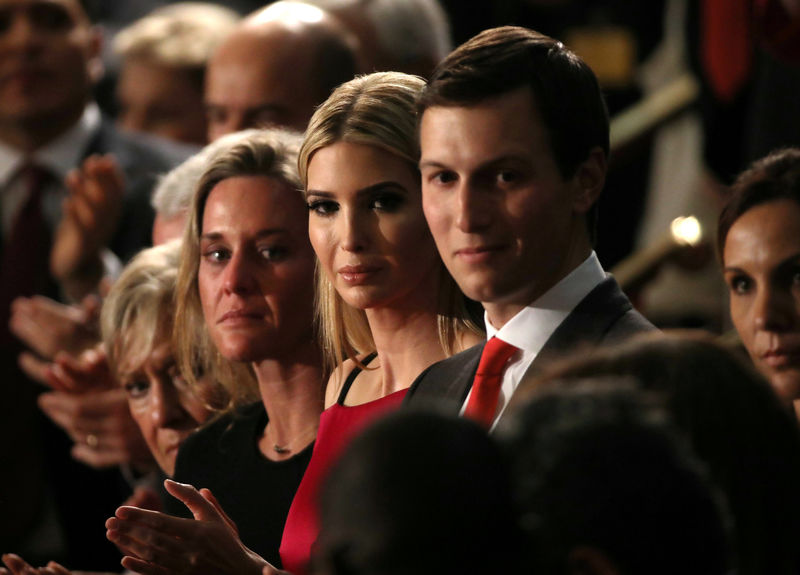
376 110
271 153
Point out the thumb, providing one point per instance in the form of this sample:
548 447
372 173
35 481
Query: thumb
201 508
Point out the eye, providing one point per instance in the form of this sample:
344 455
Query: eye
507 177
386 202
442 177
740 284
273 252
137 389
323 207
216 254
51 17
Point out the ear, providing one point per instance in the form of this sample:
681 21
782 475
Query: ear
94 60
586 560
589 179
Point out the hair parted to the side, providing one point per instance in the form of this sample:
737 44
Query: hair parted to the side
376 110
137 313
773 177
271 153
565 91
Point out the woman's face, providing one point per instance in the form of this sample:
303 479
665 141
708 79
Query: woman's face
164 407
256 274
367 227
762 270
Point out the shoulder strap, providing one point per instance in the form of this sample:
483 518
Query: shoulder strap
351 377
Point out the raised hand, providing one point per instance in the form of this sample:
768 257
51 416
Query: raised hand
159 544
48 327
90 216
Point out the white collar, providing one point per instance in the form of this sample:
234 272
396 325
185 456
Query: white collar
59 155
532 326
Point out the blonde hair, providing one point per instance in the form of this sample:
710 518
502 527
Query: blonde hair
181 35
377 110
271 153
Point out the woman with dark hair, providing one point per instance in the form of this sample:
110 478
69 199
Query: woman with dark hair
758 240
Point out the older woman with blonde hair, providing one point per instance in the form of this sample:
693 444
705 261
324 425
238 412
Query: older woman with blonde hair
386 306
247 271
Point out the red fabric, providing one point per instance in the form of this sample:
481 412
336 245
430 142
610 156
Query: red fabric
337 426
727 45
482 403
26 253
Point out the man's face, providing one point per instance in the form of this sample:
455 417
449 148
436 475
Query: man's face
49 54
255 80
507 224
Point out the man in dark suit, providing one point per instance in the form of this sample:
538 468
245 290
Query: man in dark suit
50 506
514 142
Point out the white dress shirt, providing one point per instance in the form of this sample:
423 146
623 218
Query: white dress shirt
530 329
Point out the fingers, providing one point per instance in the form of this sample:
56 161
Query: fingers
103 414
139 566
38 370
201 508
48 327
17 565
209 496
58 569
153 537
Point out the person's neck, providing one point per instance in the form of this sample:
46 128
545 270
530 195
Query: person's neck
501 311
29 135
291 390
406 342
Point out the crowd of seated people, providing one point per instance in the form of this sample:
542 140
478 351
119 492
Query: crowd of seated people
374 336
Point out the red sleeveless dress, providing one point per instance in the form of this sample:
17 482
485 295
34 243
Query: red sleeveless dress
337 425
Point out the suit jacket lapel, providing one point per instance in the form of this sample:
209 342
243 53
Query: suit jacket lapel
583 328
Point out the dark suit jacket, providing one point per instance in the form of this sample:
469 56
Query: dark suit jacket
603 317
36 454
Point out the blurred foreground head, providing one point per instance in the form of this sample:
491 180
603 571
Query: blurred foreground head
418 493
606 486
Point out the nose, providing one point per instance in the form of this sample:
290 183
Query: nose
166 409
773 309
20 31
472 210
352 231
238 274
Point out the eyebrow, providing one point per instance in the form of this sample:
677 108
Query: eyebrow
210 236
488 164
371 189
787 261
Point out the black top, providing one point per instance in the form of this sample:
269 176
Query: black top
254 491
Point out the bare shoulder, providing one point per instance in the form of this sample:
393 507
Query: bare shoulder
336 381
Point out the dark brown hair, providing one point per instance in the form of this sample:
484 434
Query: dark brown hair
774 177
565 90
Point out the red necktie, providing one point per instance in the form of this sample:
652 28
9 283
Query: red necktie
24 262
482 402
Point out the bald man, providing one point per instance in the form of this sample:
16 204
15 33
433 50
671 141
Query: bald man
276 67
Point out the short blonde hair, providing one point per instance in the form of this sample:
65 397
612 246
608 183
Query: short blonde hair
271 153
181 35
376 110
